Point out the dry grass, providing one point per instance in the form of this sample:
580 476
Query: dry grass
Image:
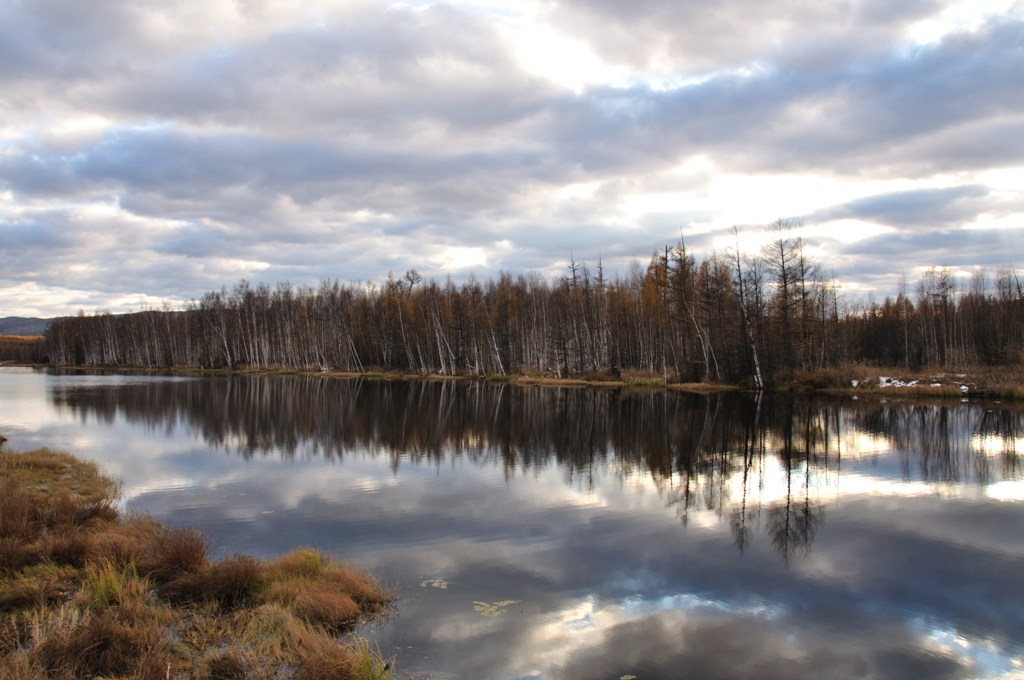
49 473
299 562
316 602
363 588
702 387
996 382
101 645
226 666
125 542
31 591
85 593
231 583
173 553
18 513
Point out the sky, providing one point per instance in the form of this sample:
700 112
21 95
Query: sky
153 151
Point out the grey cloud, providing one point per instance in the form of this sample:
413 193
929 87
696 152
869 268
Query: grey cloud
879 261
748 122
379 72
49 38
194 167
925 208
971 145
846 121
41 173
936 247
44 233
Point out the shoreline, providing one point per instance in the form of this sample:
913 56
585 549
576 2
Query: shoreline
989 382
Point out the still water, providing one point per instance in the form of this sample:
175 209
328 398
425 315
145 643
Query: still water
566 533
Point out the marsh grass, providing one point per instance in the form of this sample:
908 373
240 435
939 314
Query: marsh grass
993 382
231 583
173 552
87 593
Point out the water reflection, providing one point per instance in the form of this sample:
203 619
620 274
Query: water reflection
606 533
771 463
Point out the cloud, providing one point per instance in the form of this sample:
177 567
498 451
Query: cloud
690 36
347 139
921 208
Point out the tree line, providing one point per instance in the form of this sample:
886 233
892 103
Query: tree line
737 318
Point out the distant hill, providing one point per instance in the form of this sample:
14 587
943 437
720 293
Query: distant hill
23 325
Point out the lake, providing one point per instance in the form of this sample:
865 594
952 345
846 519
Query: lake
582 533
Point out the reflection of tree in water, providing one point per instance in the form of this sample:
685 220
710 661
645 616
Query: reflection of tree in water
792 524
949 442
713 453
805 444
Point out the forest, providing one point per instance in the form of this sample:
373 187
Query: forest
734 318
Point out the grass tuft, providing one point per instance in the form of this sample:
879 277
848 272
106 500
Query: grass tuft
17 512
300 562
19 666
174 553
364 589
226 666
17 554
31 592
110 585
71 549
317 603
231 583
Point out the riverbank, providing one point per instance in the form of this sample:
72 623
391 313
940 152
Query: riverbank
992 382
87 592
1004 383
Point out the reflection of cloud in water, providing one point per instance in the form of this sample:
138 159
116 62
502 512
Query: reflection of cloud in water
155 485
721 645
996 445
863 444
1006 491
984 655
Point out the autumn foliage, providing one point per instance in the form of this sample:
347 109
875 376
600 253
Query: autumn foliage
736 319
23 349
